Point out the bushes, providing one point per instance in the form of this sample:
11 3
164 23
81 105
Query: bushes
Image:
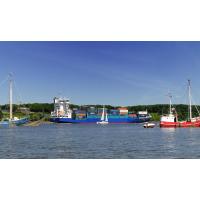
155 117
1 115
40 107
36 116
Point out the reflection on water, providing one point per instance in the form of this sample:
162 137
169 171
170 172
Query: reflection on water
169 139
93 141
169 130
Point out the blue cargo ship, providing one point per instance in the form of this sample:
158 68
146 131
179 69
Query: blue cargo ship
63 114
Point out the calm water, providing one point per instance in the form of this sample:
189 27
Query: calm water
95 141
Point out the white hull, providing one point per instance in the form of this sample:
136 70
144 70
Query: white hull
149 125
103 122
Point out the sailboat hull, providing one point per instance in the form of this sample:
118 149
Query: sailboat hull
103 122
21 121
14 122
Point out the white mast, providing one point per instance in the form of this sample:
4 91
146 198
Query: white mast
170 103
11 96
190 99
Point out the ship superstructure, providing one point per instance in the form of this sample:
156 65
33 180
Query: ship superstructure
61 108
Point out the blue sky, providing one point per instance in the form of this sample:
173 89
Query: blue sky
116 73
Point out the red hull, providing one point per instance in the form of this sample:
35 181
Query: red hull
169 124
180 124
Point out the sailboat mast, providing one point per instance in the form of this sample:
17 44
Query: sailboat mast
190 99
103 114
11 96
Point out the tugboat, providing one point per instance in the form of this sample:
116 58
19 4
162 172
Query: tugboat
171 119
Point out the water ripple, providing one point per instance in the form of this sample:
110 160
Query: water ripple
100 142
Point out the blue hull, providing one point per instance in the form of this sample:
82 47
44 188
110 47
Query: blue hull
21 121
14 123
94 120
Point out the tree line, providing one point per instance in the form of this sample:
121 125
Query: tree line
157 109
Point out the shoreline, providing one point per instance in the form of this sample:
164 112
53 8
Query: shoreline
37 123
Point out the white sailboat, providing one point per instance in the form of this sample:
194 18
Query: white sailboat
104 118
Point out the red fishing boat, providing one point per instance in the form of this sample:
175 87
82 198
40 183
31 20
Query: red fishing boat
171 119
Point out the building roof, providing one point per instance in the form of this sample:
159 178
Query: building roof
122 109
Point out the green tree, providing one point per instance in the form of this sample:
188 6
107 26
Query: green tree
1 115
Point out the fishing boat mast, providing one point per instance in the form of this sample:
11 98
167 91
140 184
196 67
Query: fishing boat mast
170 103
190 99
11 96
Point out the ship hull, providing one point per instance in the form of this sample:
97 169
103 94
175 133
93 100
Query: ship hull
95 120
169 124
183 124
18 122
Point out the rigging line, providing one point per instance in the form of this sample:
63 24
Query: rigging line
18 95
183 95
3 81
196 106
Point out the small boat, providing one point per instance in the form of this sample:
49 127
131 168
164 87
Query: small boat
148 125
104 119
